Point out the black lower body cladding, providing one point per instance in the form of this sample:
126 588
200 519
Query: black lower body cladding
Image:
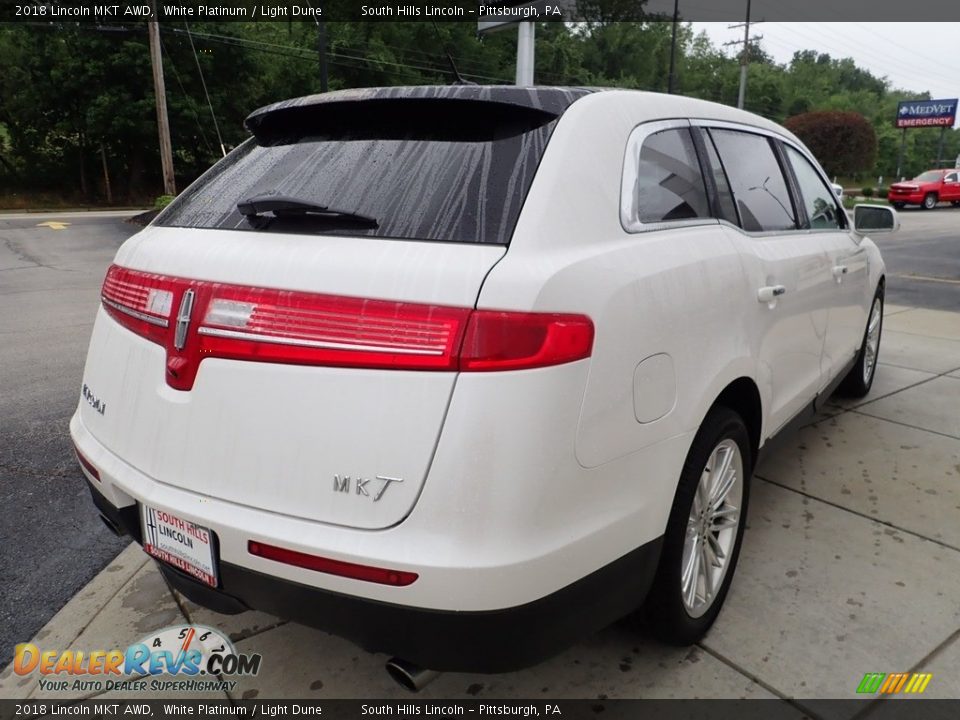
445 640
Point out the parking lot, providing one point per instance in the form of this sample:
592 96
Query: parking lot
851 561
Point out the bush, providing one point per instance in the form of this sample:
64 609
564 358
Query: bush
161 202
867 191
882 192
844 142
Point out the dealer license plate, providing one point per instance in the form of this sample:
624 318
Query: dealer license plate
180 543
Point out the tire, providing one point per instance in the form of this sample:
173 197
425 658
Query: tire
859 380
929 201
669 612
955 203
899 205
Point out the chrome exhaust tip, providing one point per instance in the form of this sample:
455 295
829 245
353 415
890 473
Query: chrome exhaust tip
413 677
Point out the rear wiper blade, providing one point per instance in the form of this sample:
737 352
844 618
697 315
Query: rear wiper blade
286 206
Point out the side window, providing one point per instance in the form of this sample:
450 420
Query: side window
952 177
669 183
756 179
725 210
818 199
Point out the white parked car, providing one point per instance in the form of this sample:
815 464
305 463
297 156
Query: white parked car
465 373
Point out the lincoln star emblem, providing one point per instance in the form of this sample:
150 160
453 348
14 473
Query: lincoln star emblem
183 320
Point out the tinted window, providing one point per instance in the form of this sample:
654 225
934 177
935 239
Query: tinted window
756 179
726 210
818 199
669 183
453 171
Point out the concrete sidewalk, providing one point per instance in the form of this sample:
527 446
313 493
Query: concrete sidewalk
851 564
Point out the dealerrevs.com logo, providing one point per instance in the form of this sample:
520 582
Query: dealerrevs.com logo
183 658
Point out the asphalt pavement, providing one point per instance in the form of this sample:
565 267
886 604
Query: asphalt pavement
51 268
923 259
52 542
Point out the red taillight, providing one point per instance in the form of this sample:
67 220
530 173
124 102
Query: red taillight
368 573
194 320
87 465
140 301
294 327
515 341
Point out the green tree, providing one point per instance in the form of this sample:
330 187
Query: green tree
72 95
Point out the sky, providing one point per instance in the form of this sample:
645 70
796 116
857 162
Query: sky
914 56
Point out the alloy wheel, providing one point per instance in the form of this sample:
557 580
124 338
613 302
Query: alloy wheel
872 344
712 528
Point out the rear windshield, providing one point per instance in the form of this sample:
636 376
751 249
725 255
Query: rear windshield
447 170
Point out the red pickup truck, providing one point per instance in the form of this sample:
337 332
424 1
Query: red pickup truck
927 189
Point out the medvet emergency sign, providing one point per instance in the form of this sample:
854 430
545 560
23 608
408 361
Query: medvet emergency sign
926 113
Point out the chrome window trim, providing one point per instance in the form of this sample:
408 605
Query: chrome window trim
828 186
761 234
629 214
743 127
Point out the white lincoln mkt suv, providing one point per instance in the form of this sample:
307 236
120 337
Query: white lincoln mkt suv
465 373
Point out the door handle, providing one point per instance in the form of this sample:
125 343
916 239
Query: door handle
839 271
770 293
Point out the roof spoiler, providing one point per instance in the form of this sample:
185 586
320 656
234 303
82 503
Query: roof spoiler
433 107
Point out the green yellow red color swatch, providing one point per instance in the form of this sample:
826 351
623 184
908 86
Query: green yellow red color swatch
893 683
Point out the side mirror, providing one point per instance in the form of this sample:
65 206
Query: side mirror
875 219
837 190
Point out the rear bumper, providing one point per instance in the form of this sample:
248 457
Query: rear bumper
486 641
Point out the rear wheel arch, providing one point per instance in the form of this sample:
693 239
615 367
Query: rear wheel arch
879 289
743 397
684 601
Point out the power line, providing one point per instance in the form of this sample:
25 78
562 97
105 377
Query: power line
343 56
825 27
846 46
186 95
203 82
341 60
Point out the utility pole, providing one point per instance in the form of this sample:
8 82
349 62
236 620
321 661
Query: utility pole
525 45
322 51
744 54
163 123
321 45
672 78
903 146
